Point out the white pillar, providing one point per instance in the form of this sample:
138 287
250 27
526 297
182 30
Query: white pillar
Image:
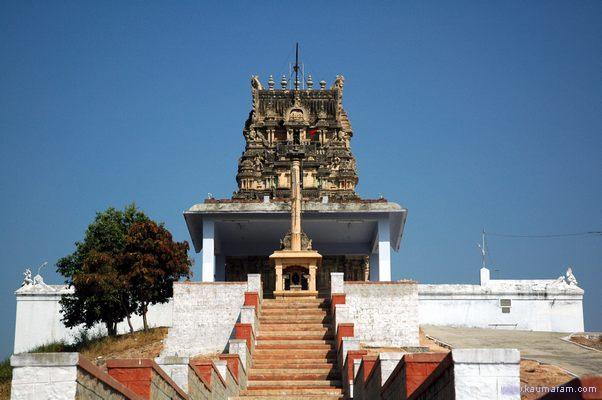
485 276
208 273
384 250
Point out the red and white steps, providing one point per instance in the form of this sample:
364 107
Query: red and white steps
295 355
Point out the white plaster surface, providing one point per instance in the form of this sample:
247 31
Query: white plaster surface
384 250
239 346
222 368
204 317
538 305
249 316
342 314
337 283
388 362
208 256
176 368
347 343
384 314
486 374
44 376
254 284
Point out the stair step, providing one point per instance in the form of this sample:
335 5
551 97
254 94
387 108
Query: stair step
316 369
300 307
296 375
300 325
290 397
276 384
294 364
296 319
293 311
292 346
292 391
295 356
275 358
325 335
296 301
297 342
289 353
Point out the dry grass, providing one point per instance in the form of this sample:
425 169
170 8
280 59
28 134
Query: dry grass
5 378
135 345
594 343
534 374
431 344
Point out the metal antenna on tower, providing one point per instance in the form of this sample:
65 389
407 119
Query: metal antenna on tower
483 247
296 67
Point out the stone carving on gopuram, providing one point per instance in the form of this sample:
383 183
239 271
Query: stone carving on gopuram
315 118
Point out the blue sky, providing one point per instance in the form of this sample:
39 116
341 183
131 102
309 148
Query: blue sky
471 114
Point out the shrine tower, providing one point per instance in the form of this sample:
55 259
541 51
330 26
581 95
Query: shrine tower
354 235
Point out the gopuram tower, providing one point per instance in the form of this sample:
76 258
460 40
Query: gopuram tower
297 156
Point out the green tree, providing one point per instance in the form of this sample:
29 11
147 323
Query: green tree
152 262
94 270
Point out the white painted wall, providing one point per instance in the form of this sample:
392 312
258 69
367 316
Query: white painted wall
492 374
204 314
44 376
539 305
542 305
384 314
38 318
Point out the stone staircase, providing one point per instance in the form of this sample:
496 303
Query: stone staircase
295 355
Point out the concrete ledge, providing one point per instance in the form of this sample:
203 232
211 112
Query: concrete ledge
284 207
485 356
172 360
44 359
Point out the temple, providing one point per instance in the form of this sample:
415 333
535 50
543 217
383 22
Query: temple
353 235
296 299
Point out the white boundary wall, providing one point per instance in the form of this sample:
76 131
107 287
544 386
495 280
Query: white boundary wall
539 305
38 318
535 305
